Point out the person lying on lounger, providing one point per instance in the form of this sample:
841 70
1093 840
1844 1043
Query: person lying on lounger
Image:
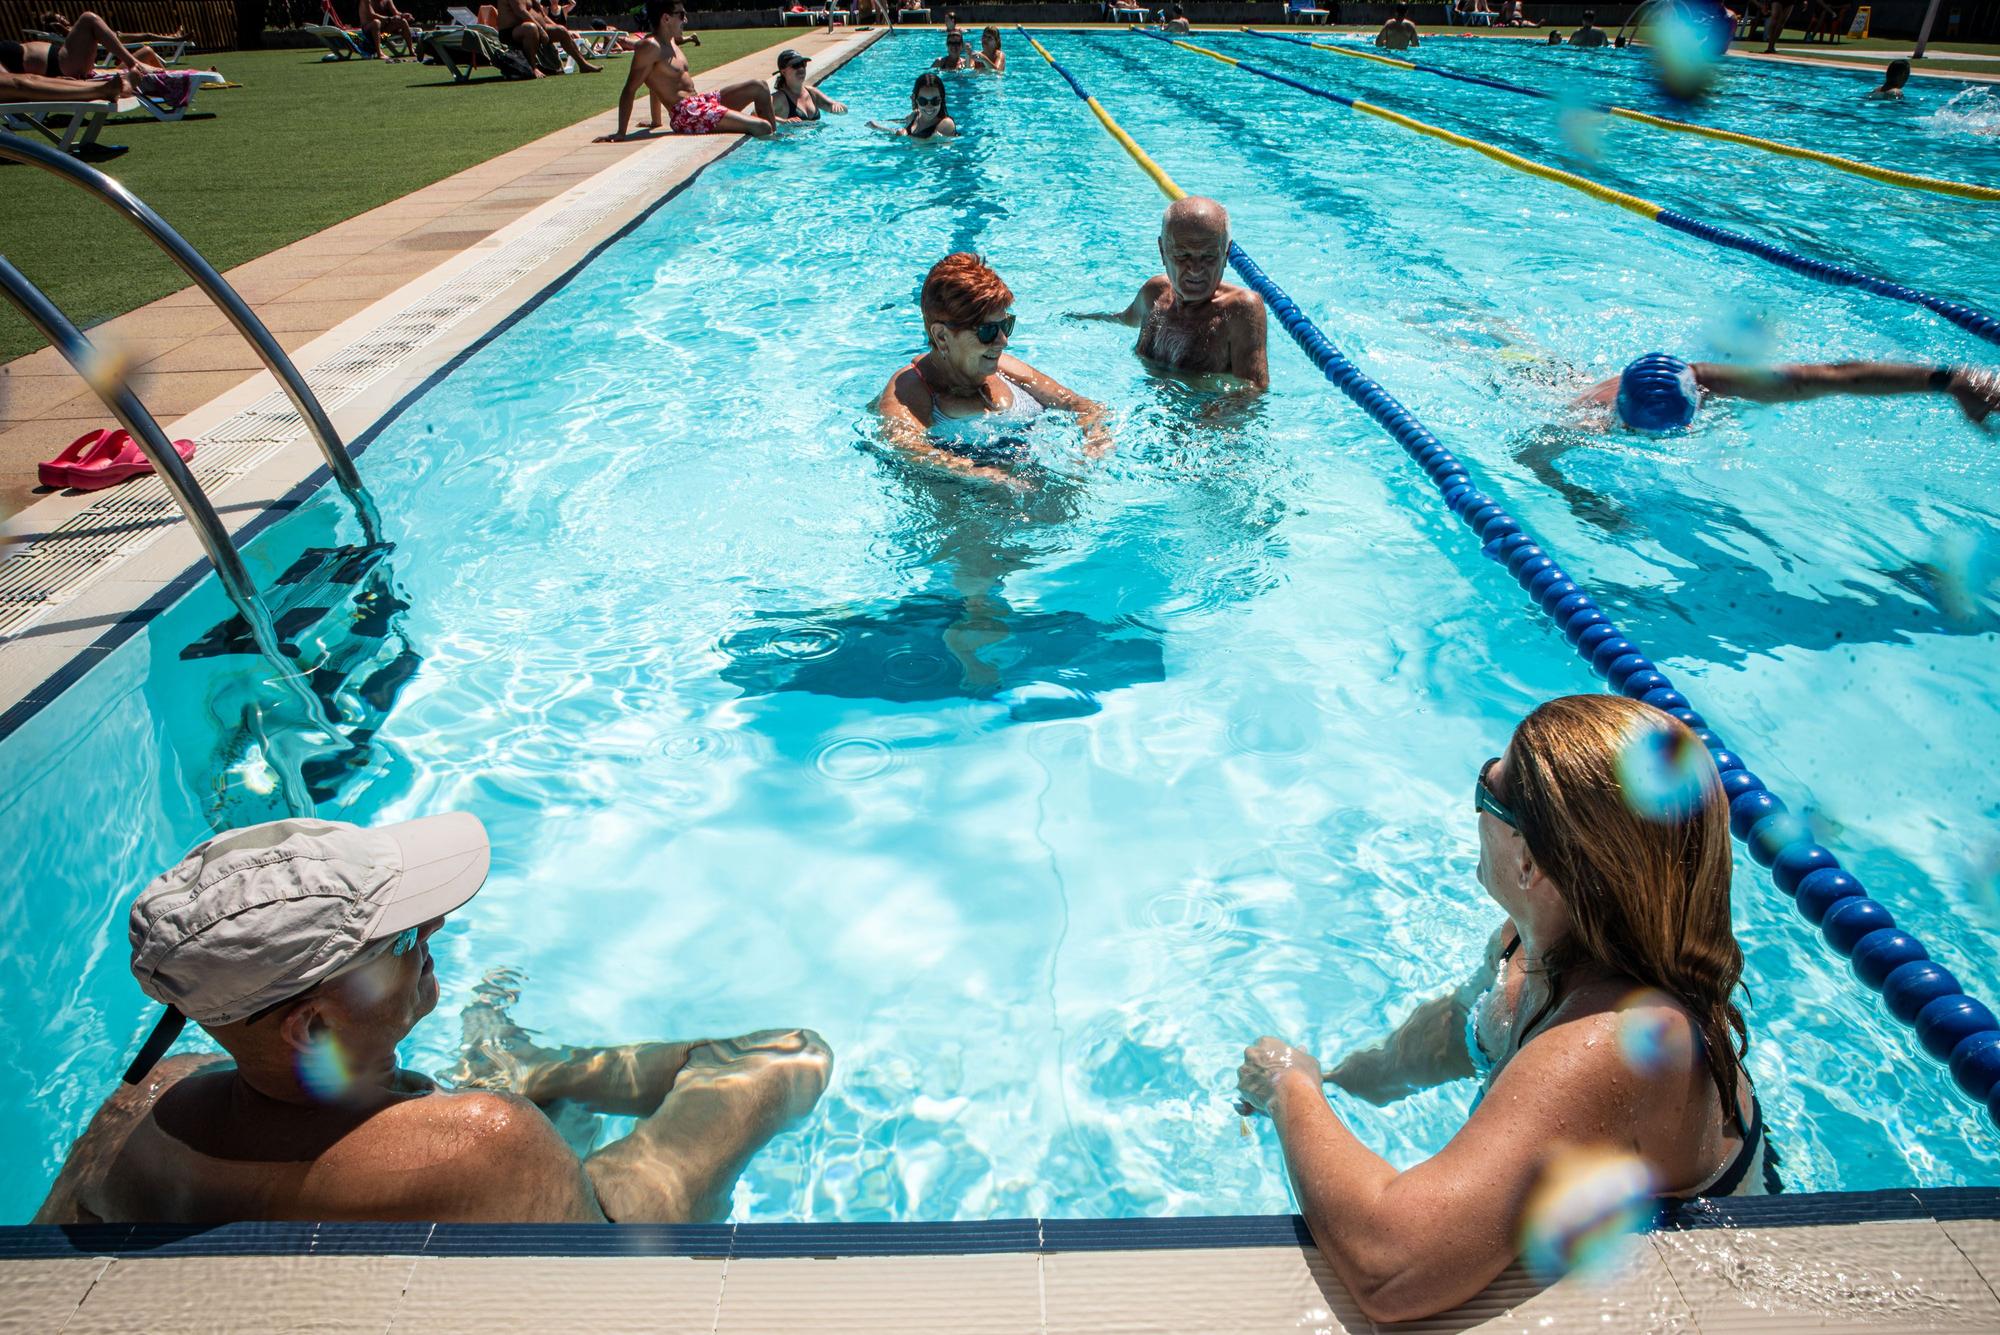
1189 319
658 65
302 947
75 56
41 88
1660 392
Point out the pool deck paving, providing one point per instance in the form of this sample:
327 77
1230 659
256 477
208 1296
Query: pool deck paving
1872 1261
369 310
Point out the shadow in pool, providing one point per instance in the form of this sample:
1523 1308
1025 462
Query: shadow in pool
936 646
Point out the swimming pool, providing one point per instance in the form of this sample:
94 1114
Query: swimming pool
1040 807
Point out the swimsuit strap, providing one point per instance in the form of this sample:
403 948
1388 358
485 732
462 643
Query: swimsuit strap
917 364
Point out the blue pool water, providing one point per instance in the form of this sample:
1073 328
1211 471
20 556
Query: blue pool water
1040 807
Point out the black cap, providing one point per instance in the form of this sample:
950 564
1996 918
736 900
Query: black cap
788 58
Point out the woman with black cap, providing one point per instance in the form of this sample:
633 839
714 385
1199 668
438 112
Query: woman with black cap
792 98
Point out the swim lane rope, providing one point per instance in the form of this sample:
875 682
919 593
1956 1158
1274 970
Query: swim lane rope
1950 1026
1887 176
1965 317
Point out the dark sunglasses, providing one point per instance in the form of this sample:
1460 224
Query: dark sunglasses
991 329
1484 800
400 944
923 101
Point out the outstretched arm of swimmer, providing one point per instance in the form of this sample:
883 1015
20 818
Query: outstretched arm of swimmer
1426 1049
1977 394
1135 310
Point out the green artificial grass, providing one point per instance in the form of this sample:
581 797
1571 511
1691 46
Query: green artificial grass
301 146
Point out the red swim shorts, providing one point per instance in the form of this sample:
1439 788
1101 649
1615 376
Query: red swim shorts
697 114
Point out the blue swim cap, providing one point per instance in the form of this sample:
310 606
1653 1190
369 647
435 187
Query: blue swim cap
1657 392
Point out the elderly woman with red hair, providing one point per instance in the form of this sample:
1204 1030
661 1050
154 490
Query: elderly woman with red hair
965 403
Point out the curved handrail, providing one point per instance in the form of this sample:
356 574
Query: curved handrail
173 471
140 215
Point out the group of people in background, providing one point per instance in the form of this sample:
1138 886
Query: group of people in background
64 65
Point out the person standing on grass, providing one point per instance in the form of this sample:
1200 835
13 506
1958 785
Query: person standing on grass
1398 34
302 948
658 64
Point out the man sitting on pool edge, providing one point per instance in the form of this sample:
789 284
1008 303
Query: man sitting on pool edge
659 66
301 946
1660 392
1189 320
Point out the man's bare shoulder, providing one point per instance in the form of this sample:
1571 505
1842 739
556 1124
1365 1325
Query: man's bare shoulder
1240 302
467 1155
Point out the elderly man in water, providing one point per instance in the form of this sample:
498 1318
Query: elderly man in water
1189 320
302 947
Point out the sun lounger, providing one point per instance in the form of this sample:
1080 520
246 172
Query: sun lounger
1120 13
913 15
448 46
1302 11
169 49
159 110
598 43
81 121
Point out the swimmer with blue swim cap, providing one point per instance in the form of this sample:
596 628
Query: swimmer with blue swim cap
1659 392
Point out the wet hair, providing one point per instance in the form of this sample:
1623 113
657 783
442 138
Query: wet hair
1554 37
961 290
1589 16
929 80
1897 74
992 32
1647 889
1402 11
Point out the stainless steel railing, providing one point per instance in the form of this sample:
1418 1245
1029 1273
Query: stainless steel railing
135 210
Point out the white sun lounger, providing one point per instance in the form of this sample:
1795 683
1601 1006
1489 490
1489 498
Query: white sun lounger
81 121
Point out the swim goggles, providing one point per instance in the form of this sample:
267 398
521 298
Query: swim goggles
1484 800
990 330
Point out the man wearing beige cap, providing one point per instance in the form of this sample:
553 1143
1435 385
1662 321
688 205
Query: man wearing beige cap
301 946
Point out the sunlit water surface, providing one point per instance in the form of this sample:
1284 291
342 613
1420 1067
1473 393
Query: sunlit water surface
1041 806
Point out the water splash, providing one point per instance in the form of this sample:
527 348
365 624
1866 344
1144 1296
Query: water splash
1689 39
1973 111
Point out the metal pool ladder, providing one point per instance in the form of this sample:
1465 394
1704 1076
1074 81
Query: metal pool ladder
133 415
112 192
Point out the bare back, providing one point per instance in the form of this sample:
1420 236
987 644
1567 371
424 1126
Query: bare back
194 1144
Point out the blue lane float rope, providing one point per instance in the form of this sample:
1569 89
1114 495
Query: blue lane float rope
1839 275
1950 1026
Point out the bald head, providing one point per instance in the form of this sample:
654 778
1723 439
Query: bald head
1194 217
1194 246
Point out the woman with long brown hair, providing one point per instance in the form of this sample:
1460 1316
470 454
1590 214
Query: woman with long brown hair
1601 1025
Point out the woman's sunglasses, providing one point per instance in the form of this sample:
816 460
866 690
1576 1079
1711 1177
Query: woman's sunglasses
923 101
1484 800
991 329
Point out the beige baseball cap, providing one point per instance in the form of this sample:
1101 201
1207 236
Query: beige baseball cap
257 915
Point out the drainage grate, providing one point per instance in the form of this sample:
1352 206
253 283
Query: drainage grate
40 576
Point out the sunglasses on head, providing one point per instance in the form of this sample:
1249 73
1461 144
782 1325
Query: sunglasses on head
402 943
1484 800
989 330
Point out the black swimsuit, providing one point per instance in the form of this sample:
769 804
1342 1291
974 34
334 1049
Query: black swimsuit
780 91
14 59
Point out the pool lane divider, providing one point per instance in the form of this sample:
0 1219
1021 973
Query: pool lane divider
1950 1026
1885 175
1968 318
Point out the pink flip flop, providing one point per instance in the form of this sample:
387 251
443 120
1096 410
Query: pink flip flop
55 472
117 459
